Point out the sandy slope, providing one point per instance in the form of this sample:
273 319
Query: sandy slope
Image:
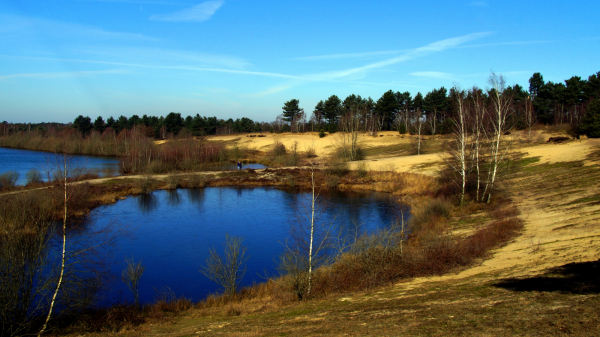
559 227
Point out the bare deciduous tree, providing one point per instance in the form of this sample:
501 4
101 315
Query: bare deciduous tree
501 102
458 147
25 229
348 140
477 131
418 125
227 271
131 277
311 240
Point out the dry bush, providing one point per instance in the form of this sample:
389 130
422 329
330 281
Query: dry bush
337 167
505 212
430 213
8 180
173 181
311 152
491 236
146 184
362 169
332 181
171 305
34 177
197 180
278 148
158 167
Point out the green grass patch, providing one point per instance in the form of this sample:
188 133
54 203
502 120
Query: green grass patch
389 150
595 197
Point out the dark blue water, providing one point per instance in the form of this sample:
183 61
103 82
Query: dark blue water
172 232
21 161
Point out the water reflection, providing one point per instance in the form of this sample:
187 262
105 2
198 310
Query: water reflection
196 196
147 203
173 198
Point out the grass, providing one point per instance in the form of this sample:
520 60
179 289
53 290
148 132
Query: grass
592 198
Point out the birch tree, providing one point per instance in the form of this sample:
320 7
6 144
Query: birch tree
418 127
311 240
63 177
458 148
477 130
348 138
501 102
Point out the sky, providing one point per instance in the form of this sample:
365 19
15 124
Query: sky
233 58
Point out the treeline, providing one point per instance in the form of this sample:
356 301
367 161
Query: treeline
155 127
551 103
171 125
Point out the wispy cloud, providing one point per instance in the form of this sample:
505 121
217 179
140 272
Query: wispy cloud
152 66
508 43
478 3
140 2
350 75
434 47
269 91
148 55
52 75
198 13
434 74
349 55
16 25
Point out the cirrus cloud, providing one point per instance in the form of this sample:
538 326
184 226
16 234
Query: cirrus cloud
198 13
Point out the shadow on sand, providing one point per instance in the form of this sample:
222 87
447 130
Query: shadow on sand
574 278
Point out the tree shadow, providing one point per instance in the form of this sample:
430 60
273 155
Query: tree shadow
574 278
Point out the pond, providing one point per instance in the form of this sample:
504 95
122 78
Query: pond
171 233
21 161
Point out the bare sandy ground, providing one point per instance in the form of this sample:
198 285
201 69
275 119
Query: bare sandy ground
425 164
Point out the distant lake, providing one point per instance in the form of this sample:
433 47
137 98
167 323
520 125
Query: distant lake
21 161
172 232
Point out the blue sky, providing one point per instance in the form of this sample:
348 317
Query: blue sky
231 58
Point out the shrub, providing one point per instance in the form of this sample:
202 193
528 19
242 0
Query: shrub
402 129
332 181
157 166
8 180
362 169
436 208
173 181
321 133
34 176
146 184
197 180
278 148
338 167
